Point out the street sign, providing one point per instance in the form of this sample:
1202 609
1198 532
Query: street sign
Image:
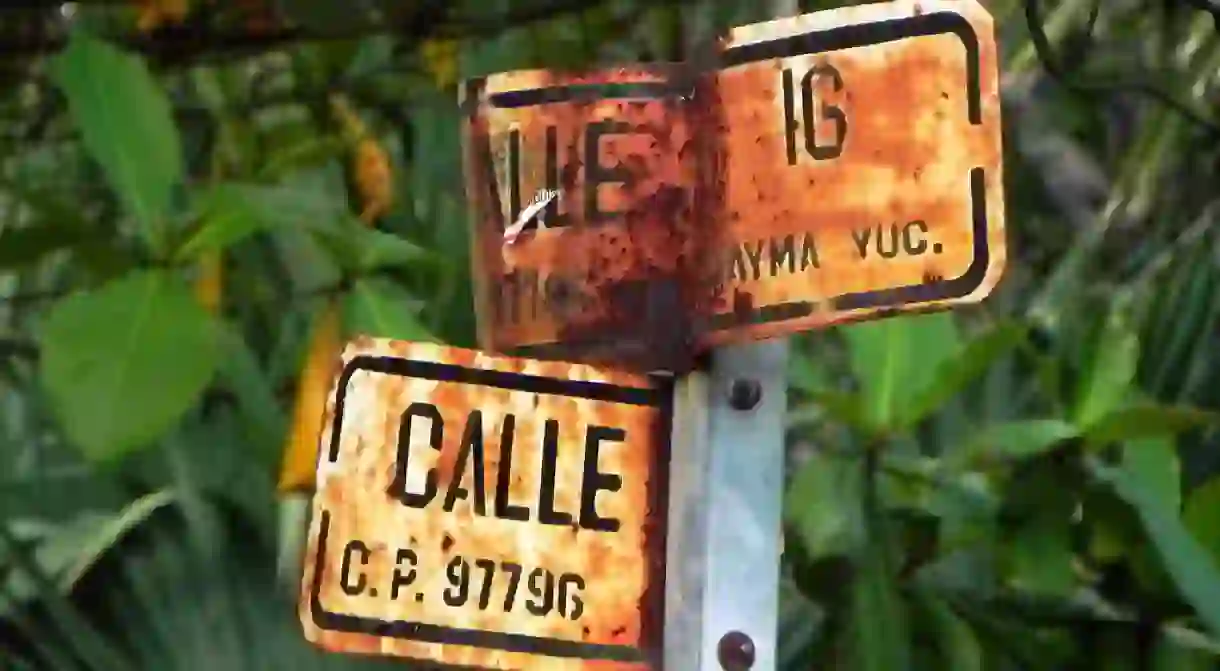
831 167
484 511
861 166
609 268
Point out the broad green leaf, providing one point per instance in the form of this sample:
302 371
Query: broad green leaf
895 360
960 648
1202 516
229 214
126 123
1016 440
962 368
361 249
843 407
1106 379
1188 563
1146 421
124 362
822 507
1041 556
1154 462
378 308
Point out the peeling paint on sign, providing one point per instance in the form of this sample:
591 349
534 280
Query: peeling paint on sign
832 167
861 167
491 512
614 271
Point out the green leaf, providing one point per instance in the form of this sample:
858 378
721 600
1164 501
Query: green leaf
1017 440
962 368
381 309
361 249
879 627
126 123
1188 563
822 507
122 363
1154 462
1041 556
229 215
843 407
65 552
1108 372
1146 421
960 648
1202 516
895 360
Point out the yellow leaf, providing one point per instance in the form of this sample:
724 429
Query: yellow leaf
297 472
209 284
374 179
153 14
441 61
349 121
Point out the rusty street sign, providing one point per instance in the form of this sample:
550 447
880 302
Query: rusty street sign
831 167
861 166
611 271
484 511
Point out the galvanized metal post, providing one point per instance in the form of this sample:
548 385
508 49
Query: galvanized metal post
726 486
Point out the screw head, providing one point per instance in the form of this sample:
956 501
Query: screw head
735 651
744 394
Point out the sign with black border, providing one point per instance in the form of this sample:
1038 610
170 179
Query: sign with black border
571 465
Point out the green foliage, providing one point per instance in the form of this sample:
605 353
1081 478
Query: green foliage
1028 484
122 363
125 121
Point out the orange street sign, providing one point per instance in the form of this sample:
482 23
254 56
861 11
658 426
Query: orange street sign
586 244
861 167
490 512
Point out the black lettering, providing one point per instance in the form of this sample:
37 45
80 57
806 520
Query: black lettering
542 585
595 173
783 251
893 250
458 573
472 442
354 547
553 217
861 237
514 176
401 579
912 244
737 265
514 579
503 509
398 487
755 256
489 572
574 583
809 115
809 252
593 480
546 495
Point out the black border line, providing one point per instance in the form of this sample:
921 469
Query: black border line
658 397
820 41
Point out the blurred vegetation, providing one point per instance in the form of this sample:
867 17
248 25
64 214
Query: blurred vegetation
198 200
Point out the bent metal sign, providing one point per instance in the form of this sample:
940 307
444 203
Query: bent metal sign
832 167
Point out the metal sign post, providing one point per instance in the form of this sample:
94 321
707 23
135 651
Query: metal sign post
726 487
821 169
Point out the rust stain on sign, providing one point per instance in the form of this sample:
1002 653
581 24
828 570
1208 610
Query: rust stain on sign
611 270
483 511
861 153
831 167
